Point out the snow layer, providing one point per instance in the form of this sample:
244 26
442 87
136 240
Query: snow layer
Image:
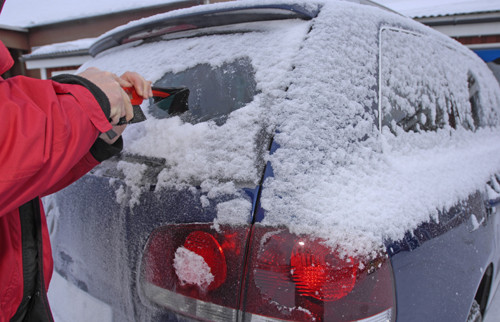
28 13
429 8
191 268
336 176
37 12
62 47
355 192
205 153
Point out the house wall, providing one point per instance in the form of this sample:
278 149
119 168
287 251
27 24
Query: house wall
95 26
21 40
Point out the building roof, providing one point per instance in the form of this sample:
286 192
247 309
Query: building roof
36 12
41 12
435 8
69 48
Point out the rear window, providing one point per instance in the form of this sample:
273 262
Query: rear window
214 91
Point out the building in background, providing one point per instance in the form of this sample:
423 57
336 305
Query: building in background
48 41
474 23
58 58
480 31
59 42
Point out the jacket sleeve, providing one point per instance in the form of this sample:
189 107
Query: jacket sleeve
99 152
47 129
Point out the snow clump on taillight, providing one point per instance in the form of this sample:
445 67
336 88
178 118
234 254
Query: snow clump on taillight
191 268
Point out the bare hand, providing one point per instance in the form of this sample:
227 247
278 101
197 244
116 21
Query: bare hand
112 85
119 101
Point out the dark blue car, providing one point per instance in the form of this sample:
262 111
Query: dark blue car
336 162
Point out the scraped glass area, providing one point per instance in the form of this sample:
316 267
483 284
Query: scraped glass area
215 91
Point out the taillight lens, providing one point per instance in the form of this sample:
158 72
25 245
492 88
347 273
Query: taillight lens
198 271
185 269
296 278
320 273
201 261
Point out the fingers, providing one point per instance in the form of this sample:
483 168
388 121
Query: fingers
112 86
123 108
142 86
129 111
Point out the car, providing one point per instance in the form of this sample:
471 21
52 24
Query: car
335 161
495 67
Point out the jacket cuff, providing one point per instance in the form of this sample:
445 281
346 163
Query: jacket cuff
101 150
99 95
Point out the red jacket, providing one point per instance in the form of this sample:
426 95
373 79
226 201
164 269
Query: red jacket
47 133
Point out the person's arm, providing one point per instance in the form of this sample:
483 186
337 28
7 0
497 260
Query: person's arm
104 147
48 128
99 152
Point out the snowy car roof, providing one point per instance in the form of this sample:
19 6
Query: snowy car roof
217 14
202 17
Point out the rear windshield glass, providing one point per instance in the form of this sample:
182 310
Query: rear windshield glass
214 91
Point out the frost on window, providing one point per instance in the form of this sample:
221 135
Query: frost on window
215 92
425 84
474 99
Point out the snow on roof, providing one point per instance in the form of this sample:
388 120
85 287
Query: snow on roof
80 46
38 12
430 8
27 13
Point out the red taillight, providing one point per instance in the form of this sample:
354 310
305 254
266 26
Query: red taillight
194 270
206 246
296 278
184 268
320 273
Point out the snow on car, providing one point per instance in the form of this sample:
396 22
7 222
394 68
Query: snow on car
334 164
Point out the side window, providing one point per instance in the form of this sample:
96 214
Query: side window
422 88
474 101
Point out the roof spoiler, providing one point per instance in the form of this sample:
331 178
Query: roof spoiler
211 17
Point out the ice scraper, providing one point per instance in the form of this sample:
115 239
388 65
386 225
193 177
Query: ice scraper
172 100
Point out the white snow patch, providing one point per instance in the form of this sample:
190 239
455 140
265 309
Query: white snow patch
28 13
475 223
68 46
492 193
133 177
205 154
424 8
70 303
191 268
235 212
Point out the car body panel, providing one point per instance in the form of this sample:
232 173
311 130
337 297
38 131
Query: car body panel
449 255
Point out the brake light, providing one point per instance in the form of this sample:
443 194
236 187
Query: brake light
184 269
320 273
296 278
207 268
197 271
